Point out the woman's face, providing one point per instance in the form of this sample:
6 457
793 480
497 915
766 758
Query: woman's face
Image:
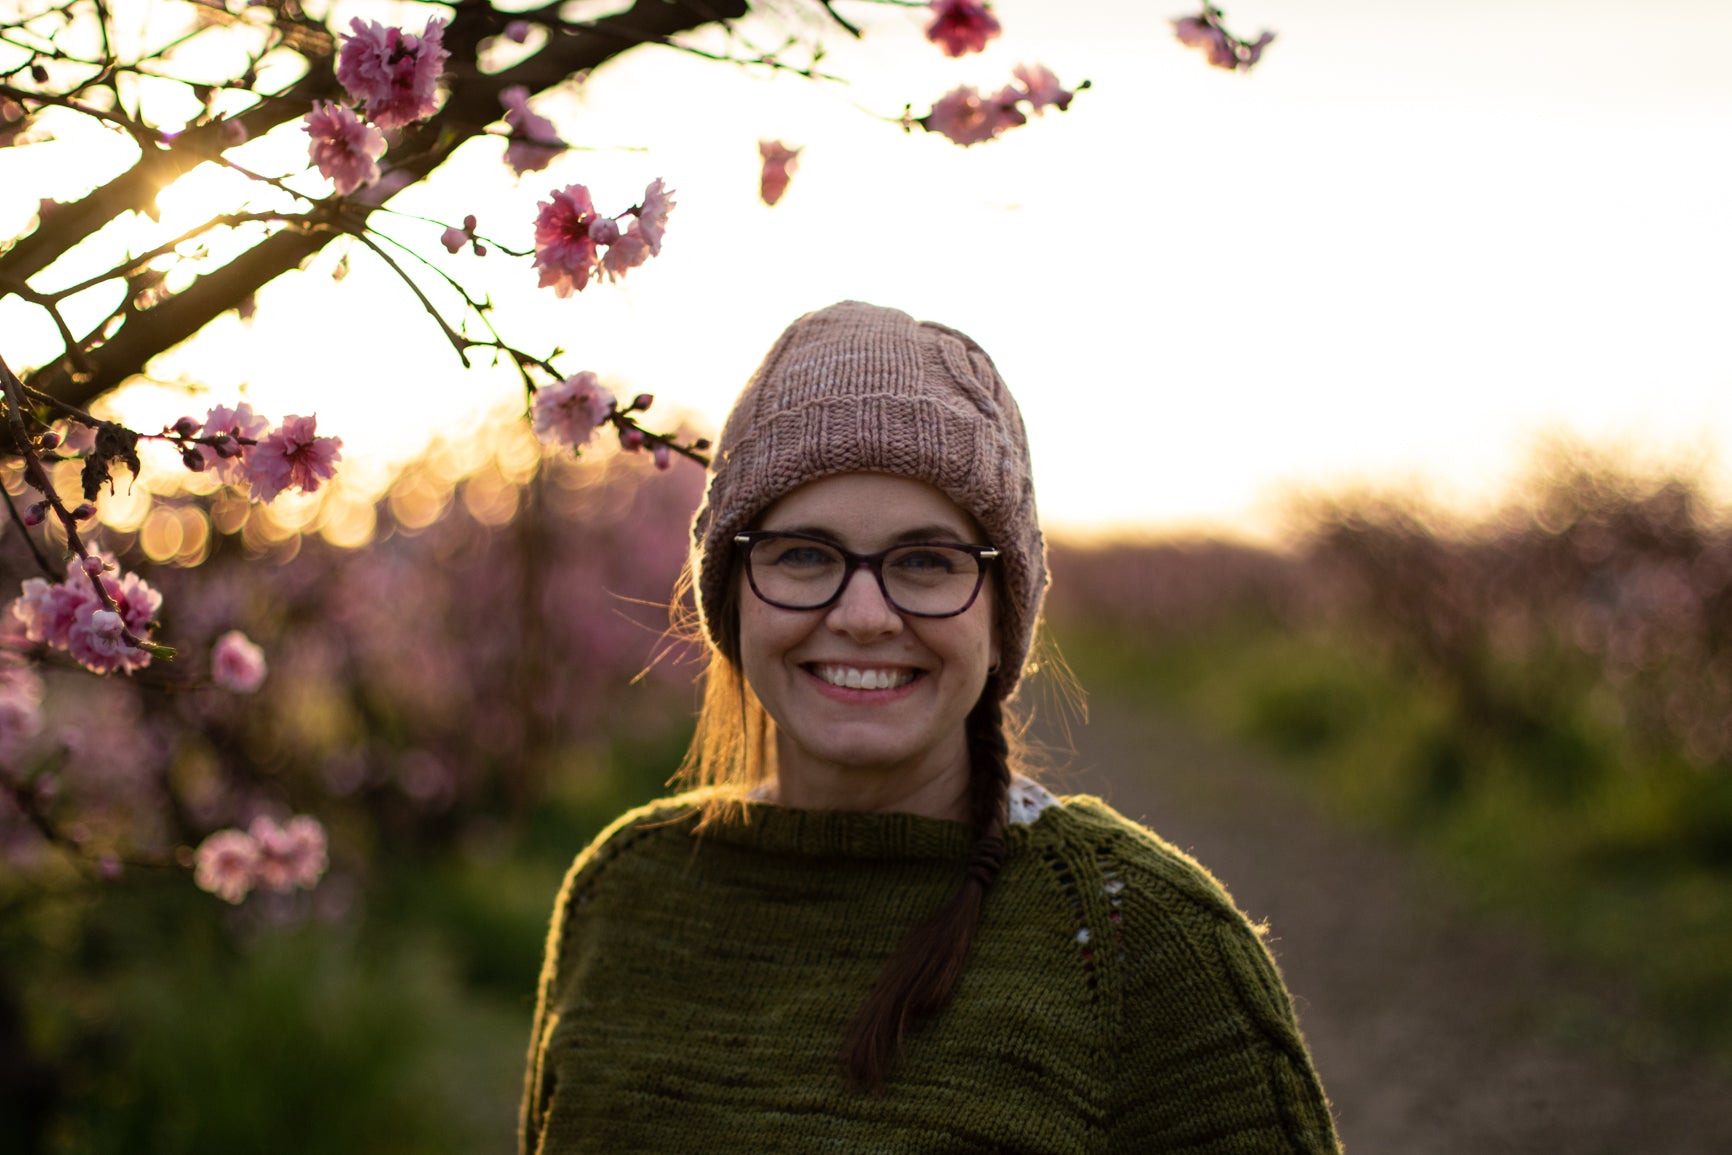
932 670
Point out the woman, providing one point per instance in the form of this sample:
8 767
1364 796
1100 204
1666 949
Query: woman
865 931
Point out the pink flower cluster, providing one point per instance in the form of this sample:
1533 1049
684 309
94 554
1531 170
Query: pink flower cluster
394 77
1224 50
230 863
345 149
961 26
574 243
966 117
240 447
569 413
779 164
68 615
237 664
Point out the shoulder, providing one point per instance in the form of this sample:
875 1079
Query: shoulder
658 829
1177 931
1196 989
1082 824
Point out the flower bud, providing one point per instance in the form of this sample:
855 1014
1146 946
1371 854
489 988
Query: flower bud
517 31
643 400
49 440
84 512
660 453
34 514
604 230
185 427
93 565
701 444
630 439
38 73
233 132
109 867
192 459
226 446
469 223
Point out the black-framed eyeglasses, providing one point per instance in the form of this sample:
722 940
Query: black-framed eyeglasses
926 579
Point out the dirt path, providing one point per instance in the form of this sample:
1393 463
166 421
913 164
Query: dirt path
1435 1032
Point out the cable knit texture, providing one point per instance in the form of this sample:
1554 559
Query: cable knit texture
858 388
697 989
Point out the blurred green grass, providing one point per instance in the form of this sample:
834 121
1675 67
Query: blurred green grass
156 1019
1617 854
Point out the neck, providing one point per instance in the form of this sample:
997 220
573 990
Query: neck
937 787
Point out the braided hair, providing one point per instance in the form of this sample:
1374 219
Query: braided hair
919 977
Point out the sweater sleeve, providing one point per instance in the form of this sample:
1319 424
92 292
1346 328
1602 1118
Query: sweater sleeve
1211 1059
564 944
538 1080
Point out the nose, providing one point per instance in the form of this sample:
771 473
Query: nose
861 611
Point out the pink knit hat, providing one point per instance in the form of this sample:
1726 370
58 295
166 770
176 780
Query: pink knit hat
858 388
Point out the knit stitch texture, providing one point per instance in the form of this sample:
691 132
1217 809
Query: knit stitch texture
696 991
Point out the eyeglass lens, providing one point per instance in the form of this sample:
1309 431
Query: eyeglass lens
798 573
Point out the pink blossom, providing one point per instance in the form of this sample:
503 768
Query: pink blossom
1201 33
652 217
97 641
393 74
227 864
568 413
1041 88
1253 51
966 118
961 26
240 421
604 230
137 601
453 239
237 664
292 455
780 161
49 611
289 856
535 143
345 150
628 252
564 252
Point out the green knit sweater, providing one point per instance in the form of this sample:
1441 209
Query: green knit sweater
696 992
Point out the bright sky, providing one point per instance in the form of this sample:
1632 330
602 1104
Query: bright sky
1416 238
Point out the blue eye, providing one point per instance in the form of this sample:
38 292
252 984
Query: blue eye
926 560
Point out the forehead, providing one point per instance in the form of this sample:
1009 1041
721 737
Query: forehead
863 509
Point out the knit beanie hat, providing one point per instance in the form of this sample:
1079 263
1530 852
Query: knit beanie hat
858 388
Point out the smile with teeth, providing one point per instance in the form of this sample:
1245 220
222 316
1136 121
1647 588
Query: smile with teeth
854 678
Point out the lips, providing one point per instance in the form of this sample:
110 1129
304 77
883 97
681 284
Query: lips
862 677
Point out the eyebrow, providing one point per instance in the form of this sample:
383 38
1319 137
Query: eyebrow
937 531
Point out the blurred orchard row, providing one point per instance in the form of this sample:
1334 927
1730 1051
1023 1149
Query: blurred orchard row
1541 694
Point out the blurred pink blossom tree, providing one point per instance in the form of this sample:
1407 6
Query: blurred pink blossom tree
382 107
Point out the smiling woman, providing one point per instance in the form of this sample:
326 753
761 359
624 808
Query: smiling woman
867 930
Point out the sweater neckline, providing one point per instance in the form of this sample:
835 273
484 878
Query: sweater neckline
767 826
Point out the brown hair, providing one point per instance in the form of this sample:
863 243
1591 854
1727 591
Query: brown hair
733 747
